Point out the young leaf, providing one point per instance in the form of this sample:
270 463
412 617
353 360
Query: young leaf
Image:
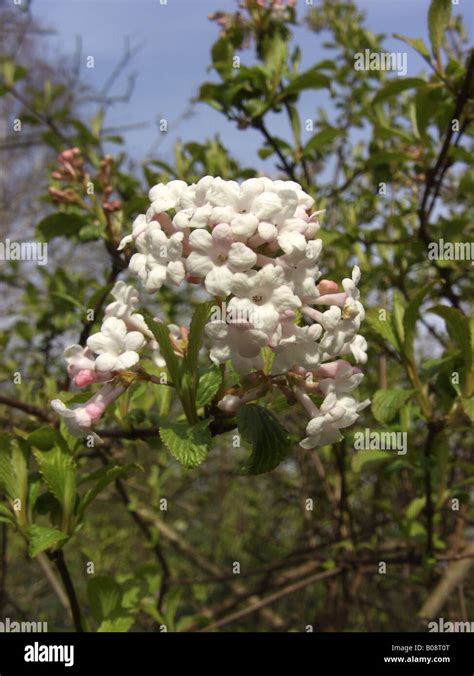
199 320
43 438
188 443
208 386
105 597
41 538
384 327
59 472
439 15
386 403
270 440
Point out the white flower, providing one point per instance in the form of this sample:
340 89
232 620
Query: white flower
338 330
357 347
262 296
80 417
341 377
296 346
334 414
165 196
117 348
81 366
216 257
139 226
158 259
126 299
299 263
237 342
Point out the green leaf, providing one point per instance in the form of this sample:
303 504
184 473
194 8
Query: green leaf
383 327
415 507
103 477
208 386
60 225
14 472
417 43
270 440
410 317
321 139
58 469
6 515
309 79
399 305
393 87
188 443
43 438
105 597
41 538
364 458
120 624
199 320
439 15
386 403
162 335
459 330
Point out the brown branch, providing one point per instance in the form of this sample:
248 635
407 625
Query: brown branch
27 408
276 596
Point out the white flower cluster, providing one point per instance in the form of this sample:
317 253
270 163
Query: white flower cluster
253 247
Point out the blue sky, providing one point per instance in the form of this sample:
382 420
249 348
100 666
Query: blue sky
175 40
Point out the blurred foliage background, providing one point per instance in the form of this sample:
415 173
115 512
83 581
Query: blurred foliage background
392 164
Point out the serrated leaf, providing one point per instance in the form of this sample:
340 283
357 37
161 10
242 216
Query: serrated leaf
43 438
383 327
41 538
58 469
189 444
120 624
386 403
270 440
362 459
208 386
439 15
105 597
